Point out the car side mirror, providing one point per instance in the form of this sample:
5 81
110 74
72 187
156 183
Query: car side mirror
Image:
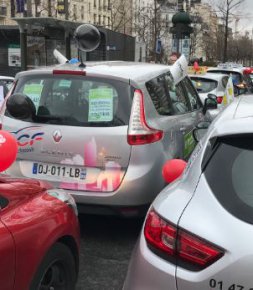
20 106
173 169
210 103
200 130
240 89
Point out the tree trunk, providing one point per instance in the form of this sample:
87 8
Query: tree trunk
226 38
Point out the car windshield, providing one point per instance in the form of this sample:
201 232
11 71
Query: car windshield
77 101
204 85
229 175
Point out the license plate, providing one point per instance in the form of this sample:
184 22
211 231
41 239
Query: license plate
59 171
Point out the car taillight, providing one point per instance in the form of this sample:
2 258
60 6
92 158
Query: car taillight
178 243
160 234
219 99
139 132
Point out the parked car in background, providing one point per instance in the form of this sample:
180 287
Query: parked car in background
102 132
192 235
210 83
39 241
5 85
249 71
7 80
241 80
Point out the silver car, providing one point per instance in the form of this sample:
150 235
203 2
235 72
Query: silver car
102 132
210 83
198 232
7 80
5 85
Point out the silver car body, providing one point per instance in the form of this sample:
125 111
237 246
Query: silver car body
191 205
103 169
215 84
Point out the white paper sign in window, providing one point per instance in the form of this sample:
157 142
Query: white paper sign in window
100 105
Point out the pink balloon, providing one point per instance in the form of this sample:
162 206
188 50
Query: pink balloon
8 150
172 169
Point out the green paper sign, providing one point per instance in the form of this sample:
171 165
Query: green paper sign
189 144
33 91
100 105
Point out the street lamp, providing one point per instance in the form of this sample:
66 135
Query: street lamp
181 31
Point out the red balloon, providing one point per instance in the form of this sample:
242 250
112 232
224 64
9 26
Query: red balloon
172 169
8 150
196 66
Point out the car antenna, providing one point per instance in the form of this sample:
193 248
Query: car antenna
88 38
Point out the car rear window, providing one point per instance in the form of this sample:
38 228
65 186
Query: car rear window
204 85
77 101
236 76
229 175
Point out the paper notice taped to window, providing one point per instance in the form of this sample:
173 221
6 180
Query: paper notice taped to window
100 105
33 91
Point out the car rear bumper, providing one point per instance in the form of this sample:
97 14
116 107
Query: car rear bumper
141 183
138 189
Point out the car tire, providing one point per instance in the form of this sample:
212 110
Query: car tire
56 271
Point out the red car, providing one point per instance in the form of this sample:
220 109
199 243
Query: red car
39 235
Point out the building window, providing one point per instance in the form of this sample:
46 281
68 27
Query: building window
99 19
74 11
82 12
109 5
95 3
95 18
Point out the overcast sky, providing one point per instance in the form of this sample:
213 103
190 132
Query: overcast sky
247 10
246 15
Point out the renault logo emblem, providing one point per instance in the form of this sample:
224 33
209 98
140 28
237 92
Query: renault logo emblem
57 135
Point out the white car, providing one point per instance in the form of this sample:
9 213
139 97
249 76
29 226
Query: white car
210 83
5 85
7 80
241 79
198 233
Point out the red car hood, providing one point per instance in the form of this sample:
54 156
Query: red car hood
19 189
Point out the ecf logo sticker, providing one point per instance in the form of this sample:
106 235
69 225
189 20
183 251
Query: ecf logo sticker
26 137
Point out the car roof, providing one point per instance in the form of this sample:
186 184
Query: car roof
229 70
136 71
6 78
212 76
236 119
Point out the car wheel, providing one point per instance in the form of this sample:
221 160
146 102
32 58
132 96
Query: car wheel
57 270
